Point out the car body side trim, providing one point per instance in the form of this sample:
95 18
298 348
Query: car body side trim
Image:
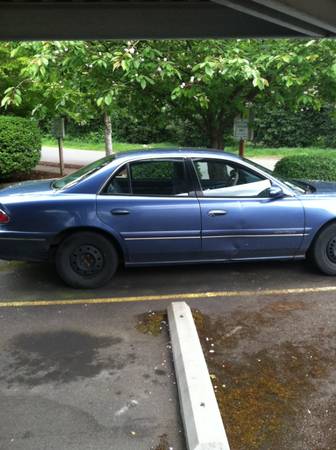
151 238
22 239
255 235
217 260
160 238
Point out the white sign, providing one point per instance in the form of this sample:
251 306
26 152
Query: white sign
241 129
58 129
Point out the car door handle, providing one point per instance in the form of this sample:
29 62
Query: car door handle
120 212
217 212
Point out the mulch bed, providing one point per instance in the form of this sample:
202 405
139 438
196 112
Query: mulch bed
34 175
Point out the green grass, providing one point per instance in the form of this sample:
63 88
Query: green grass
285 151
268 152
117 146
250 152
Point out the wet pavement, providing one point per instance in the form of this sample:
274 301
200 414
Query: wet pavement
84 377
273 369
100 375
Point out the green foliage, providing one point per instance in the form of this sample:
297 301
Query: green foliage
303 128
218 80
20 145
192 89
307 167
184 132
162 170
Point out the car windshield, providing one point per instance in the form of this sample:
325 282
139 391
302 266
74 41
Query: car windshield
299 187
82 173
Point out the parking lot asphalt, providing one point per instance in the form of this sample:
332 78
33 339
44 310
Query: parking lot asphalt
81 377
86 376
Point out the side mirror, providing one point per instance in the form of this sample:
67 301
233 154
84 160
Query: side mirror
276 192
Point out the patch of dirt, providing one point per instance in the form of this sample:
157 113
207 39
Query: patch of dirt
242 324
34 175
163 444
152 322
267 397
7 266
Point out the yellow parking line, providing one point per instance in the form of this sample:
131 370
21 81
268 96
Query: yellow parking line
183 296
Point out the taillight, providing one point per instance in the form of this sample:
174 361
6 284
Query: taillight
4 218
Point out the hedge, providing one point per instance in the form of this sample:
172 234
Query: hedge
286 128
153 170
307 167
20 145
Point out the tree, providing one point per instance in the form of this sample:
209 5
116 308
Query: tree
218 80
10 69
206 83
83 79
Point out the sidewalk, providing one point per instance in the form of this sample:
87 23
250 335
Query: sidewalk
84 157
71 156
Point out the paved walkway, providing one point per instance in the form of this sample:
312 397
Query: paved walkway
71 156
84 157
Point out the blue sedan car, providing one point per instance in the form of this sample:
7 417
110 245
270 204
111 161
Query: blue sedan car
166 207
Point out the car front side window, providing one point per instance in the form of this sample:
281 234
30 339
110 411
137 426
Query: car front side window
219 178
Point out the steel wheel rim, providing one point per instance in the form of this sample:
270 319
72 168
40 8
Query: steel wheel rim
331 250
87 260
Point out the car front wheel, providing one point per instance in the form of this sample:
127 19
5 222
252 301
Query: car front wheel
324 250
86 260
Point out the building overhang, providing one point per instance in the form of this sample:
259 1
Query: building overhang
158 19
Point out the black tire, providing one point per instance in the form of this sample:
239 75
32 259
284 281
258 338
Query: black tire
86 260
323 253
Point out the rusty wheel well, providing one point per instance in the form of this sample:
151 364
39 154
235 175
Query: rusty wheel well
66 233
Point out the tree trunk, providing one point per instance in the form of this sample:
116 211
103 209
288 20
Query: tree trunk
108 134
216 138
217 125
213 125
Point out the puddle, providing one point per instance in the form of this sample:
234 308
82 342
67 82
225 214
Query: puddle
59 357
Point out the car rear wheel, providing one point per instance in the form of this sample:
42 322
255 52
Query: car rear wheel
324 250
86 260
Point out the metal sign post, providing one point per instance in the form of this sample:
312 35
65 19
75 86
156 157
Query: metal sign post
241 148
58 130
241 132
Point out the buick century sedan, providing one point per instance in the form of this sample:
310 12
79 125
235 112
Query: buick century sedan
166 207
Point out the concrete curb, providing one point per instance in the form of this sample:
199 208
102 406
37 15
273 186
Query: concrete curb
202 421
55 164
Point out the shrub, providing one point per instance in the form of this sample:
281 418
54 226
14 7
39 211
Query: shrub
307 167
152 170
20 145
286 128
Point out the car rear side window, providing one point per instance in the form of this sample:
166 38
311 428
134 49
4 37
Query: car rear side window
120 182
151 178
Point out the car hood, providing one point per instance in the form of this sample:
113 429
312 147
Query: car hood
323 187
27 188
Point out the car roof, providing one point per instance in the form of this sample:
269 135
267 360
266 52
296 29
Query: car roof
94 182
176 152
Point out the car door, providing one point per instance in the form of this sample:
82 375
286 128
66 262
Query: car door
239 219
152 206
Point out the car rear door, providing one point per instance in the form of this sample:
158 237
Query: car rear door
152 206
239 220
